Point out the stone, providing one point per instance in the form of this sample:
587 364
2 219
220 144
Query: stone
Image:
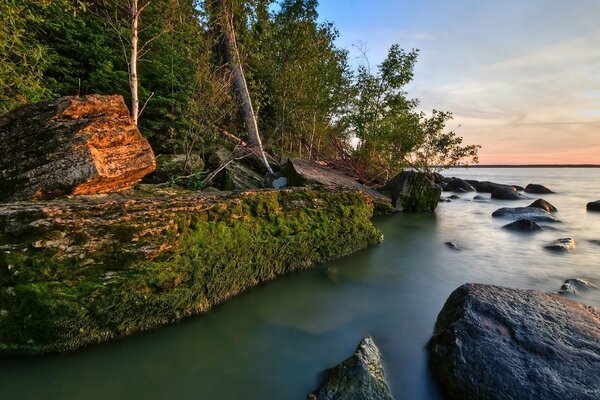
593 205
595 241
574 285
457 185
523 225
489 187
280 182
170 167
506 193
532 213
544 205
493 343
236 175
563 245
95 268
480 198
71 145
360 377
452 245
537 189
414 191
300 172
454 197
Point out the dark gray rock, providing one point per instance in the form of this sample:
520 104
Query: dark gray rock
454 197
360 377
544 205
493 343
593 241
593 205
452 245
563 245
523 225
519 188
574 285
457 185
532 213
537 189
414 191
487 187
506 193
480 198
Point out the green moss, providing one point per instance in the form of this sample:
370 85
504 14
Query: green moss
58 304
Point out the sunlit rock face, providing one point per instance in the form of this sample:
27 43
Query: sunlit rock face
71 145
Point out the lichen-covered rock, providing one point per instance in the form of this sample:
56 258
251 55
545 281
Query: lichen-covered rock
87 269
71 145
414 191
359 377
493 343
308 173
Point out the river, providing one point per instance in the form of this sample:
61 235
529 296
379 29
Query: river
274 342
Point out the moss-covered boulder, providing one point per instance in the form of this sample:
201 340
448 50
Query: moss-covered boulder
171 167
88 269
414 191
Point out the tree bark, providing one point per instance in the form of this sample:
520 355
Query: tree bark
233 59
133 79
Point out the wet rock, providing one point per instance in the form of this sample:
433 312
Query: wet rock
564 244
593 241
532 213
573 285
537 189
523 225
493 343
519 188
454 197
593 205
488 187
445 200
414 191
452 245
360 377
457 185
544 205
71 145
506 193
480 198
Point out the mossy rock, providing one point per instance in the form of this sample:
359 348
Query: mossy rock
84 270
170 167
414 191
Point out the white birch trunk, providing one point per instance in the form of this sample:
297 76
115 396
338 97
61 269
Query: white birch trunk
133 79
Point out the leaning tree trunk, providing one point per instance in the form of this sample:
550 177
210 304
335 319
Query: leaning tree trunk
133 79
233 59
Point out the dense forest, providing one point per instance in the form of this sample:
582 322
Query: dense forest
307 100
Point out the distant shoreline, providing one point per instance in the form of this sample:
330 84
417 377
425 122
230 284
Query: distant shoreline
535 166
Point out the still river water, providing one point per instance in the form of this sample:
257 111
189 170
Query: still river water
274 342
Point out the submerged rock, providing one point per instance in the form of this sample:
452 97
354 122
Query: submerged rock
452 245
565 244
480 198
537 189
71 145
414 191
360 377
88 269
593 205
523 225
573 285
593 241
493 343
531 213
544 205
454 197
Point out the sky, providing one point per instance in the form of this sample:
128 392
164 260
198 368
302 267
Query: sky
522 77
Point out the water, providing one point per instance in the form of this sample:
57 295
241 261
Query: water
274 342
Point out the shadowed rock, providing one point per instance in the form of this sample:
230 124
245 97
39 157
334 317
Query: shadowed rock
480 198
493 343
532 213
523 225
506 193
564 244
593 205
360 377
457 185
537 189
413 191
71 145
574 285
544 205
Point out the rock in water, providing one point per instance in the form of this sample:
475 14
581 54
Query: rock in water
593 205
71 145
457 185
532 213
565 244
573 285
544 205
360 377
414 191
506 193
523 225
498 343
537 189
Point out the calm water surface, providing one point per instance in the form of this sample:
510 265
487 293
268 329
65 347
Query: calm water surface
273 342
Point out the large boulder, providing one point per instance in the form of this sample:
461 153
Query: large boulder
235 174
537 189
593 205
531 213
71 145
493 343
414 191
489 187
506 193
544 205
359 377
457 185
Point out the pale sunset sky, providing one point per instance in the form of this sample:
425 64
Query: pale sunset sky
522 77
